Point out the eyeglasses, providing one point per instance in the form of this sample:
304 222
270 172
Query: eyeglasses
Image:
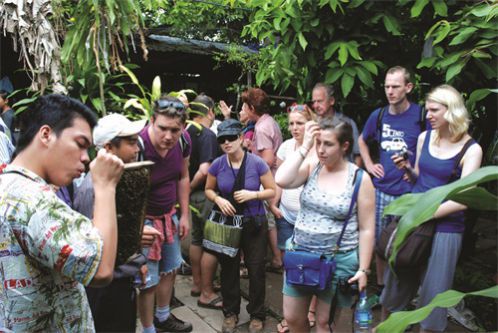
231 138
164 104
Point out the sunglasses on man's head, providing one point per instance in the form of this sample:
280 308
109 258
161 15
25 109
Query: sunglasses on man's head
164 104
230 138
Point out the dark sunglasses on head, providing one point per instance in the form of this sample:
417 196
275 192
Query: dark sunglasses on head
164 104
230 138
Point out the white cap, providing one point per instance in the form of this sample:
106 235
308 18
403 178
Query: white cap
115 125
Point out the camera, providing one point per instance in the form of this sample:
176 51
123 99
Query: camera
347 288
404 153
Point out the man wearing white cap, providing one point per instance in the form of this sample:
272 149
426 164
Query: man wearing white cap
114 307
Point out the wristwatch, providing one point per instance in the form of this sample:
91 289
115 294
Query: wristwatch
366 271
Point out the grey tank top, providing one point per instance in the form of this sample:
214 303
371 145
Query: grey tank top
322 215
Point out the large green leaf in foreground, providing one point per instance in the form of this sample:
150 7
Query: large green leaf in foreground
397 322
417 208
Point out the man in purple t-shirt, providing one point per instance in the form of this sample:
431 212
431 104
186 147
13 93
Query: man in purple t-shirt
168 146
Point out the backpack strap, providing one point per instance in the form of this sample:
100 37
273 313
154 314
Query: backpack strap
141 149
421 122
379 123
184 144
357 182
458 159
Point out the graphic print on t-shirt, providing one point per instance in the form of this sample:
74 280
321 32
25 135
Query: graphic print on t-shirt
392 140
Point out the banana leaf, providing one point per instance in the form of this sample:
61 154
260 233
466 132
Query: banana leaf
397 322
420 207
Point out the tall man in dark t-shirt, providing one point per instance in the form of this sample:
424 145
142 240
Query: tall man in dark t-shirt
204 151
168 146
398 129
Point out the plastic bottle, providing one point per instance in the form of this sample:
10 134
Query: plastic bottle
363 315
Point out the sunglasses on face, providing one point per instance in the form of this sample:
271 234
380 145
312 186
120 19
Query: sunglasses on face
230 138
163 104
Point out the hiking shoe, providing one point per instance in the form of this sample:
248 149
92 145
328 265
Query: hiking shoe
172 324
256 325
229 324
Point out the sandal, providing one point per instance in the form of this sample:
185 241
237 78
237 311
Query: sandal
311 318
282 327
274 269
211 304
244 273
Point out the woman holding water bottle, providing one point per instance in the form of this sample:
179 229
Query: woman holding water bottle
328 179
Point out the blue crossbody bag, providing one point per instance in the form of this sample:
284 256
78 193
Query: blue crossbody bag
315 270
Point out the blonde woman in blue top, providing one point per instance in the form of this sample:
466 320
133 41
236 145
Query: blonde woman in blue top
437 152
328 179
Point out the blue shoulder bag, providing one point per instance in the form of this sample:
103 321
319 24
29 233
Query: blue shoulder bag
315 270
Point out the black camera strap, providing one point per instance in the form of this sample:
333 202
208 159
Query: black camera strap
356 183
238 183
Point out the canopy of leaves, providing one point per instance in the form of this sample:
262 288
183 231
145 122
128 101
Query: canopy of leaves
351 43
215 20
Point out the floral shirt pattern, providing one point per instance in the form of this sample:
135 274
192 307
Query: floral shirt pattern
47 253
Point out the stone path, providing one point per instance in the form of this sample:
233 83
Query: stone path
209 321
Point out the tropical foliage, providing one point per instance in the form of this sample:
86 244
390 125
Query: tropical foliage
35 39
417 208
351 43
399 321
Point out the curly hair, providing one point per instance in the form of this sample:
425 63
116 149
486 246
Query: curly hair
258 99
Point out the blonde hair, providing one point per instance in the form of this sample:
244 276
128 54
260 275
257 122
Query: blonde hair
456 115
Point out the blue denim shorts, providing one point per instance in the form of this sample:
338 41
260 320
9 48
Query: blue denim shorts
171 257
347 266
284 232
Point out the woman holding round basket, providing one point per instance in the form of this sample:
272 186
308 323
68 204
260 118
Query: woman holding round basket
233 184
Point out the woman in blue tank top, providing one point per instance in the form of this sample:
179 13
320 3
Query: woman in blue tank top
328 179
438 153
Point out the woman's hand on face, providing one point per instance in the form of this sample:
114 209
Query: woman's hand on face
361 278
311 130
225 206
244 195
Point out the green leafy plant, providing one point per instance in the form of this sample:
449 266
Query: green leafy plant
96 39
417 208
399 321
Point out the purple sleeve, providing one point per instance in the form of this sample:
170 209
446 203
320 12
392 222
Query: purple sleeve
214 168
